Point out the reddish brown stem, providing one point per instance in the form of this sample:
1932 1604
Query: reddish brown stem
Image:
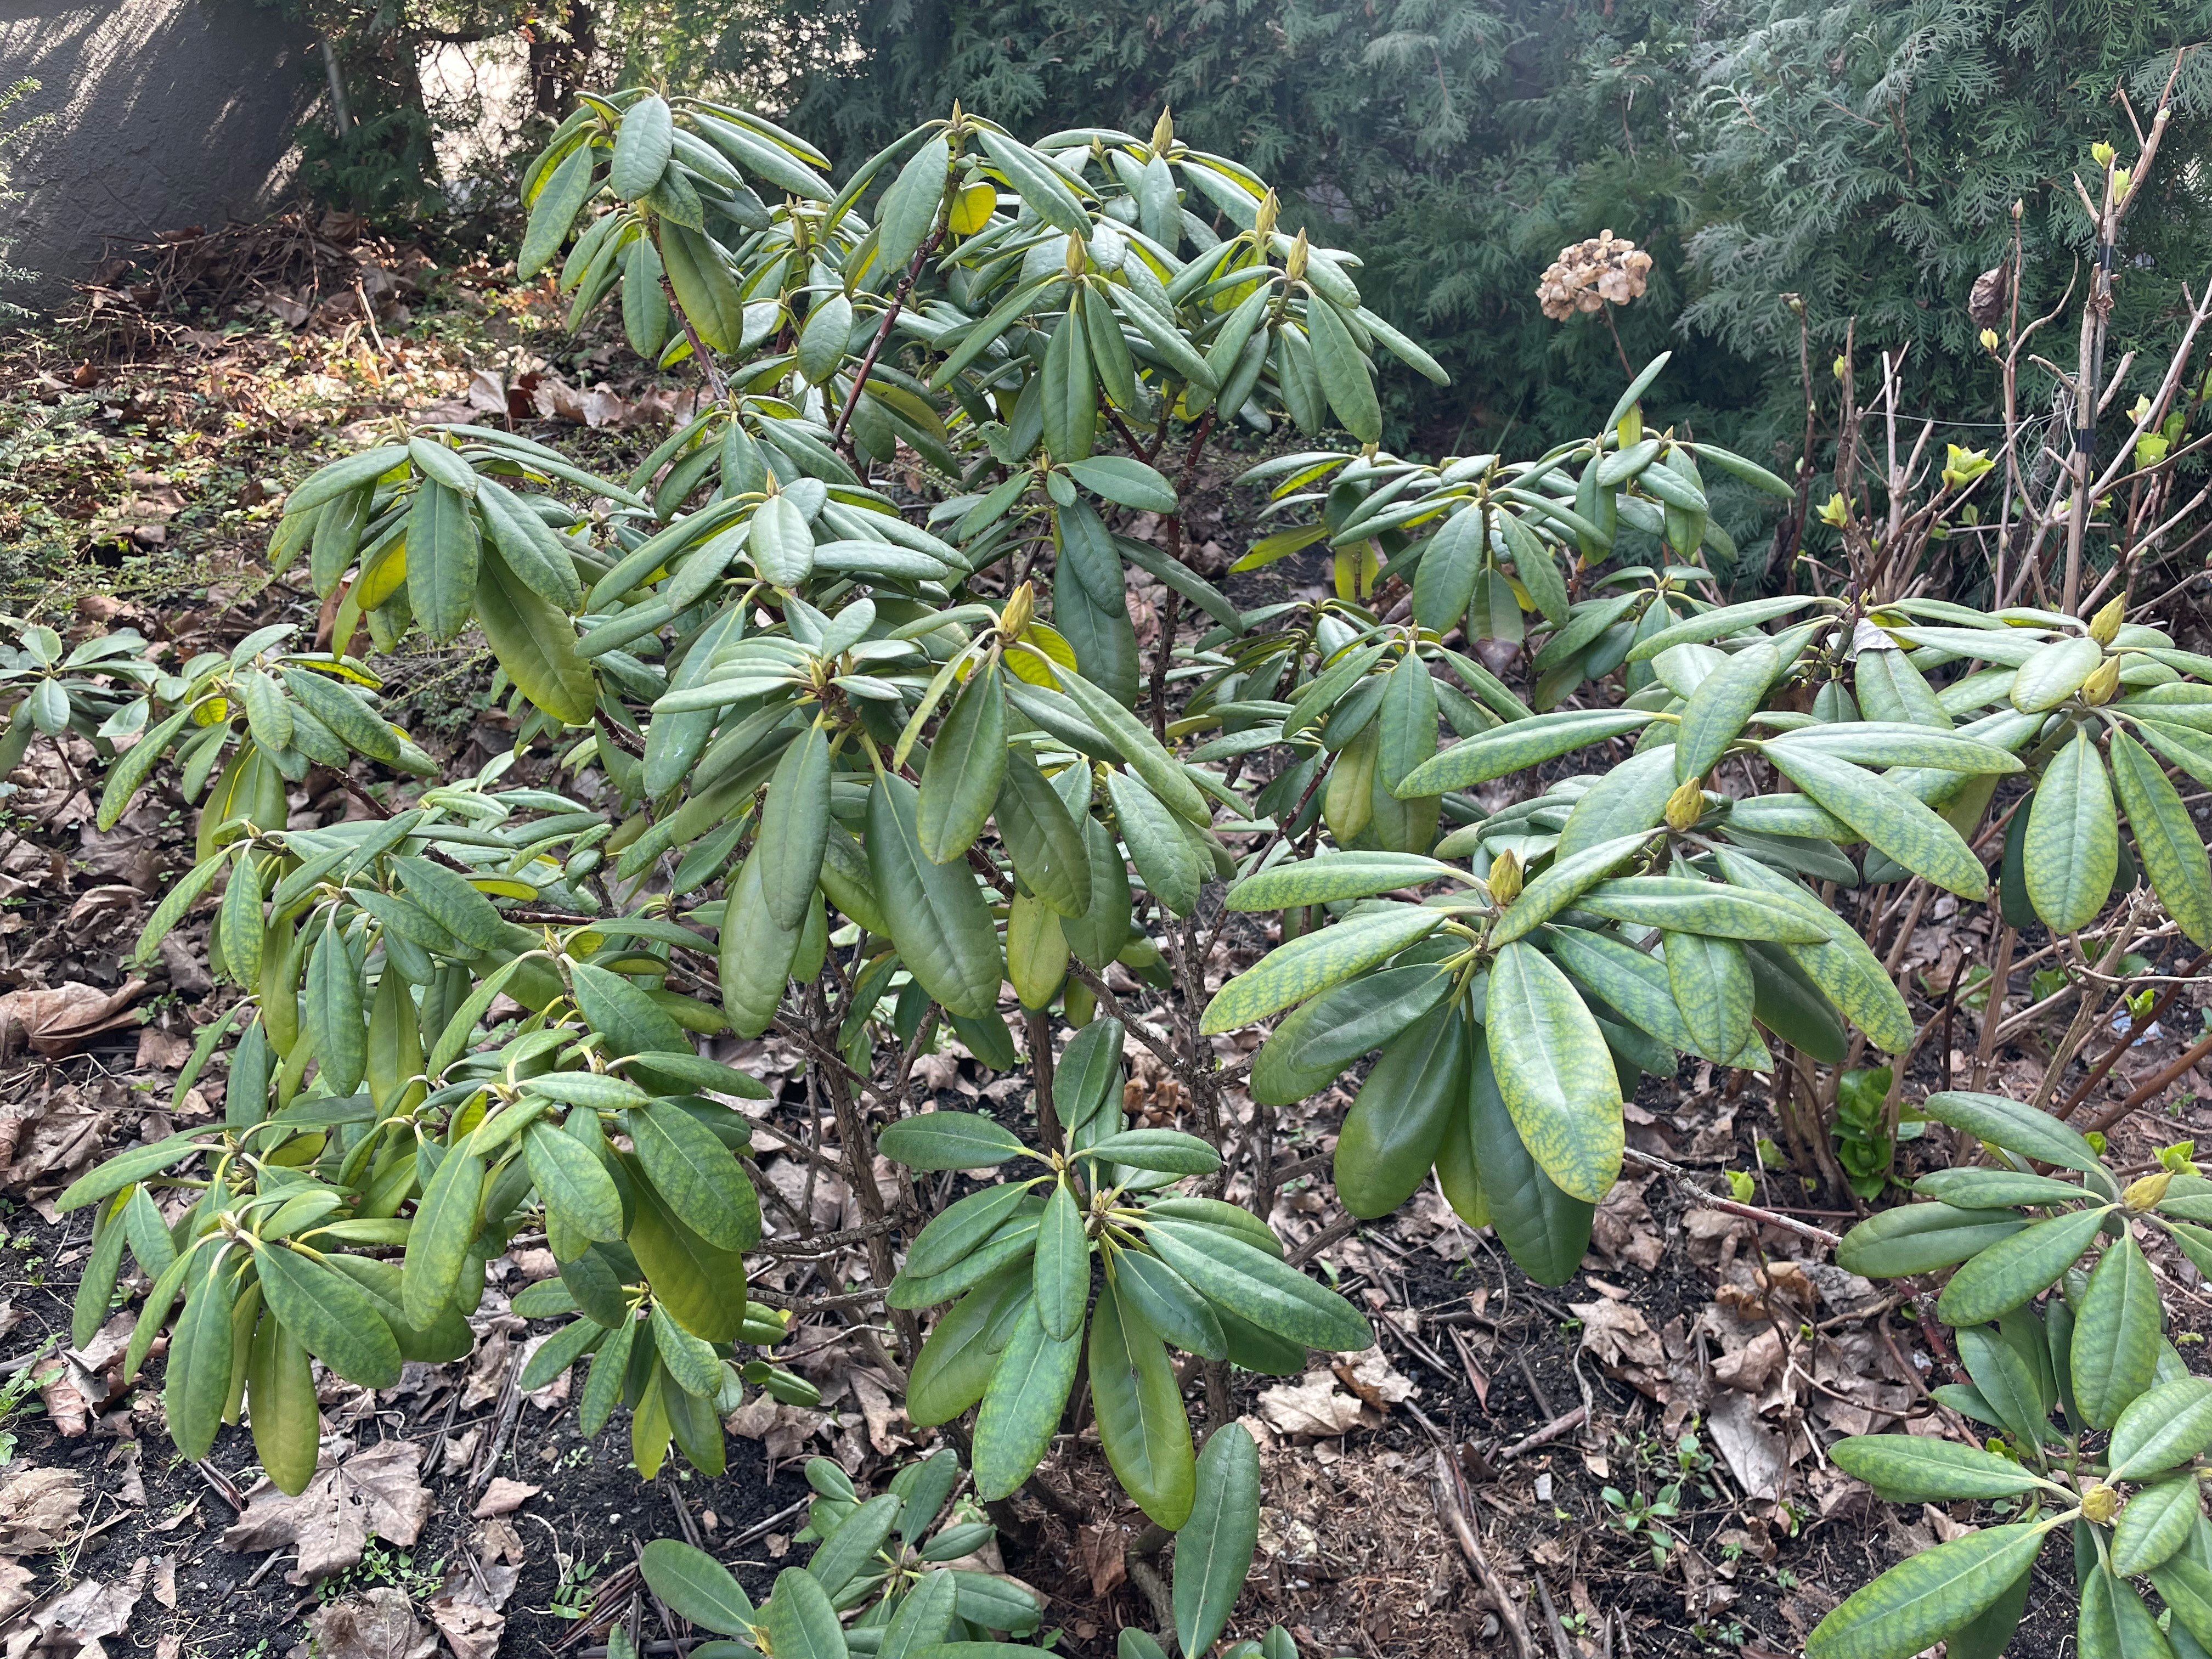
708 366
884 332
2128 1040
1162 654
2157 1086
1121 426
625 741
1040 1033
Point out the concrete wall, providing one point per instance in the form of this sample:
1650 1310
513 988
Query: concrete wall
166 113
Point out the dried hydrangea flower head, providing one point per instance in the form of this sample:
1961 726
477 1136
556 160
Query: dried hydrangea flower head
1590 273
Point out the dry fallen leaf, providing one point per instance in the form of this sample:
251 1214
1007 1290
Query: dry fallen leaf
79 1618
1105 1556
62 1392
487 1368
1314 1405
160 1050
881 1415
1617 1334
1779 1290
131 1484
498 1540
50 1133
1623 1229
378 1624
1374 1380
1754 1453
62 1018
471 1630
39 1509
467 1609
938 1072
503 1496
376 1490
14 1589
782 1431
74 1390
1751 1367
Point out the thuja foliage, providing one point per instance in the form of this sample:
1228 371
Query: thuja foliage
1868 157
862 774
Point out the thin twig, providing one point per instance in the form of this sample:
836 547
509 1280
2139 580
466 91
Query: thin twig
1564 1424
1343 1228
1451 1507
2159 1081
884 332
1697 1194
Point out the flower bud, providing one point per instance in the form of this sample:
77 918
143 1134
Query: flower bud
2104 626
2100 1503
1021 605
2103 682
1077 256
1263 221
2102 154
1685 805
1506 878
1989 339
1164 131
2122 178
2145 1193
1294 267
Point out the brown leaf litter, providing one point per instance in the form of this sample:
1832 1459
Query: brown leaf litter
74 1623
468 1607
373 1624
39 1509
59 1019
376 1491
